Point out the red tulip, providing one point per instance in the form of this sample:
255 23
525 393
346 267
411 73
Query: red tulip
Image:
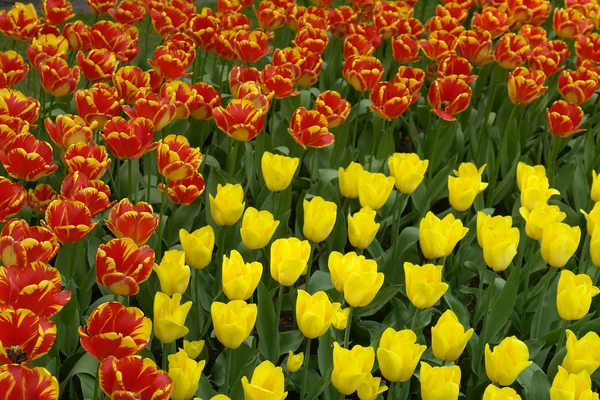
21 382
491 20
129 140
197 100
569 23
311 39
78 35
525 86
588 47
185 191
168 19
444 23
98 66
12 68
122 40
15 104
20 22
227 6
202 28
94 194
241 119
362 72
171 63
412 78
455 10
46 46
160 110
10 127
251 46
175 159
70 220
134 377
39 198
88 158
544 59
390 100
340 18
535 35
454 65
128 81
69 129
21 244
310 68
577 87
367 30
23 336
12 198
235 21
449 96
476 47
309 128
279 80
269 16
129 12
439 45
564 118
240 74
134 221
405 49
511 51
529 11
333 107
27 158
357 45
98 104
57 78
100 7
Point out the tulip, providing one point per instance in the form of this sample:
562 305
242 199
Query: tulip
405 48
193 348
257 94
506 361
311 39
129 139
559 243
440 382
57 78
257 228
69 220
536 191
233 321
133 376
160 110
78 35
128 81
374 189
240 279
499 246
294 361
362 228
57 11
22 245
398 354
227 206
511 51
495 393
267 383
408 171
185 374
475 46
135 221
362 72
98 66
333 107
173 274
170 62
572 386
438 45
371 388
278 170
38 199
176 159
356 276
269 16
289 260
27 158
448 337
564 118
319 218
315 313
12 199
465 186
310 128
87 158
22 382
310 68
279 80
593 218
449 96
14 68
351 367
349 180
525 86
492 20
168 20
413 78
570 24
251 46
98 104
424 285
574 295
582 354
24 337
69 129
185 191
390 100
169 317
439 237
93 193
540 217
594 247
577 87
340 320
242 120
129 12
198 246
487 222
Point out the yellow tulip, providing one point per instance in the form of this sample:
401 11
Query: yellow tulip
185 374
319 218
374 189
348 180
289 260
538 218
595 192
193 348
593 218
448 337
217 397
595 248
257 228
567 386
499 246
227 206
315 313
497 222
524 171
169 317
424 285
278 170
408 171
559 243
440 383
398 354
233 321
582 354
356 276
495 393
467 184
536 191
173 274
267 383
340 320
506 361
240 279
351 367
438 237
370 388
294 361
574 295
198 246
362 228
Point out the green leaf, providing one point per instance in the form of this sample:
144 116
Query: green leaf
320 385
458 308
325 351
503 306
540 386
290 341
380 300
267 325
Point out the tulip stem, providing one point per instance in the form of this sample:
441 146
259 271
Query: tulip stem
555 147
130 176
551 274
414 319
233 159
355 132
433 155
96 384
313 167
228 370
167 349
278 305
348 326
306 365
498 162
563 335
161 224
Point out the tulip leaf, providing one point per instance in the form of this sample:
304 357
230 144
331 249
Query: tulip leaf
381 299
458 308
539 387
290 341
320 385
503 307
267 325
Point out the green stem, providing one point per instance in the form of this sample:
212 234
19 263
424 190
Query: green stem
414 319
433 156
161 224
130 176
313 167
233 159
555 149
278 305
348 326
201 72
498 162
551 274
96 384
306 365
355 132
146 38
228 370
167 350
490 300
563 335
480 287
526 287
148 175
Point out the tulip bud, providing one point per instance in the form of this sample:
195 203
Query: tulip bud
319 218
289 260
228 205
595 191
592 218
348 180
398 354
506 361
340 320
169 317
582 354
198 246
448 337
315 313
193 348
278 170
356 276
374 189
424 285
499 246
371 388
233 321
240 279
465 186
574 295
267 382
572 386
559 243
173 274
294 361
538 218
185 374
257 228
351 367
362 227
495 393
408 171
440 382
536 191
439 237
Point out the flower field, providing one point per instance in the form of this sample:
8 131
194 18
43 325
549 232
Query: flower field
308 200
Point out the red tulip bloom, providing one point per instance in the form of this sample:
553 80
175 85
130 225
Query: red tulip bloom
529 11
476 47
129 140
20 382
12 68
240 74
357 45
290 58
311 39
340 19
168 19
27 158
279 80
100 7
98 104
544 59
535 35
78 35
235 21
202 28
511 51
257 94
310 68
16 105
390 100
134 221
57 78
69 129
449 96
367 30
98 66
22 244
171 63
362 72
333 107
128 81
227 6
454 65
412 78
160 110
588 47
198 100
387 17
46 46
405 49
309 128
491 20
10 127
439 44
39 198
175 159
134 377
525 86
88 158
20 22
224 44
269 16
122 40
569 23
445 23
564 118
121 266
12 198
129 12
70 220
455 10
577 87
251 46
94 194
23 336
115 330
241 119
185 191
